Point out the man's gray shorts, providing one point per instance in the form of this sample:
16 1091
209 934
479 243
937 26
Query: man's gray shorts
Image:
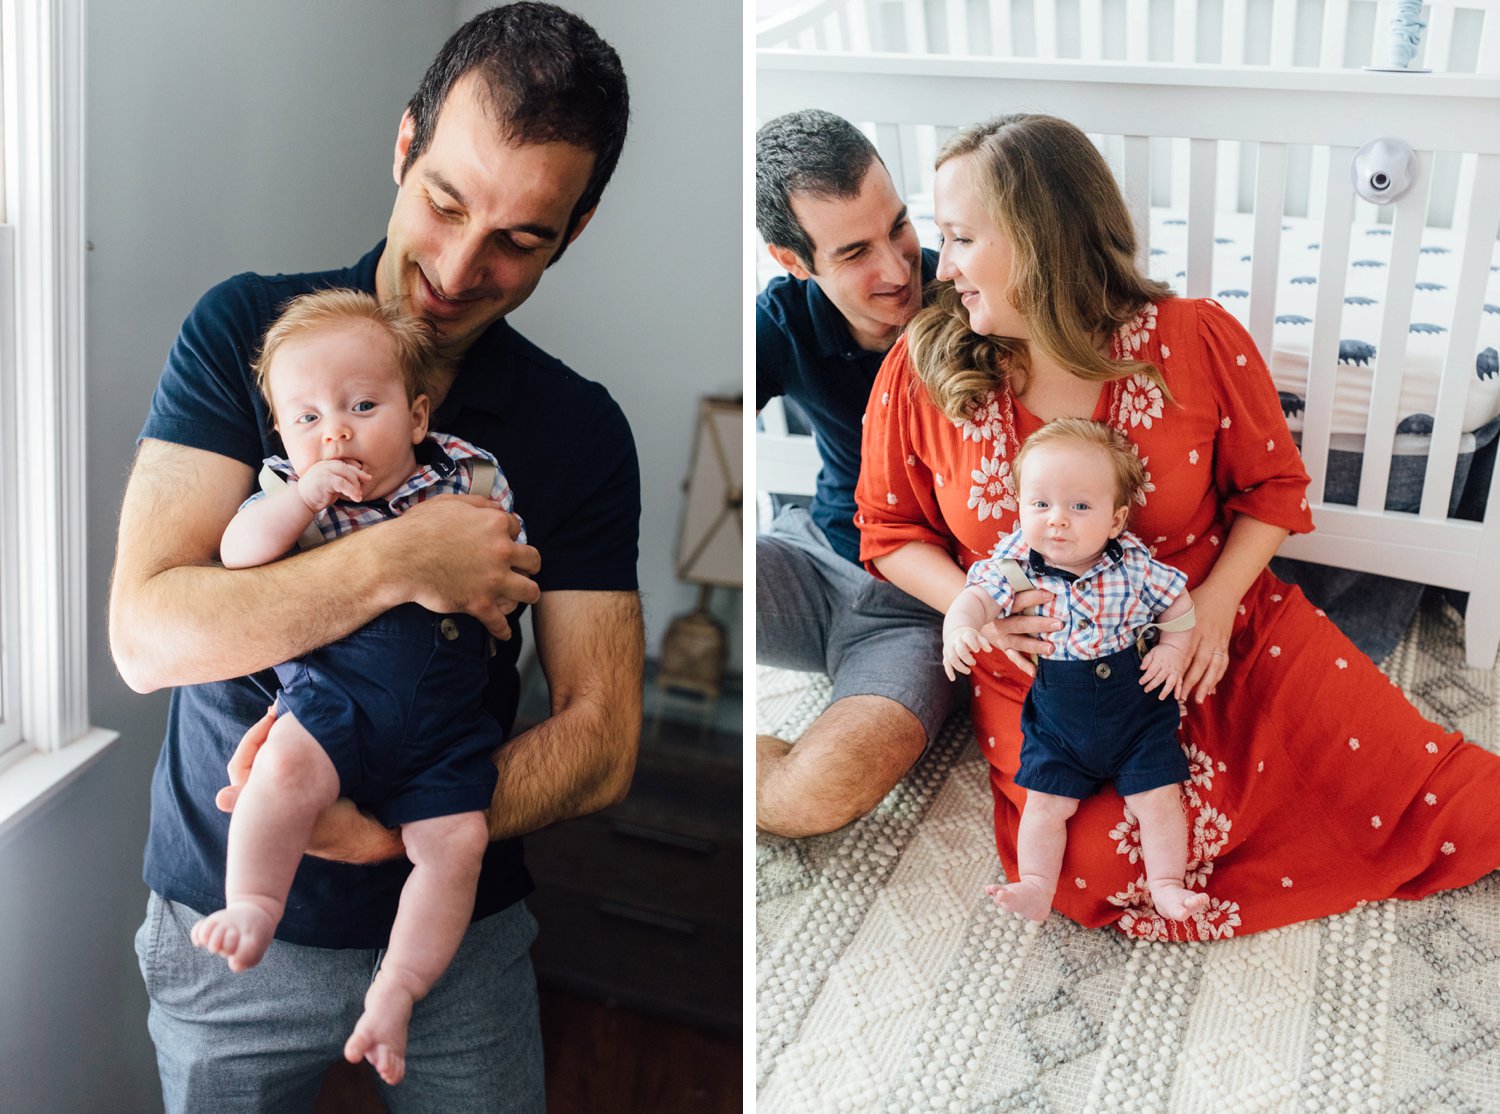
818 613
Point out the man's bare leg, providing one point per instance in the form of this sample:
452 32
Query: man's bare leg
841 767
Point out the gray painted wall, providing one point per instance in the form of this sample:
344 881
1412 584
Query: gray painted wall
225 137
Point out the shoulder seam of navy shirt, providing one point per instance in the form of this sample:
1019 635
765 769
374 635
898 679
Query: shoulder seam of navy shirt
570 458
804 350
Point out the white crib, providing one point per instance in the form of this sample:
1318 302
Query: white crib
1256 129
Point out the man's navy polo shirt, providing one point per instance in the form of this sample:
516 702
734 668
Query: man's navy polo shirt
804 350
564 445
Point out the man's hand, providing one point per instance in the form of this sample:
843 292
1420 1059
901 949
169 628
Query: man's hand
1017 633
328 481
341 833
464 549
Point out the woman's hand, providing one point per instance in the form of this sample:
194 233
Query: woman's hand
1019 635
1208 655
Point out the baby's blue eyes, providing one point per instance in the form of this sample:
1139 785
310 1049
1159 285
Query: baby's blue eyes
363 407
303 419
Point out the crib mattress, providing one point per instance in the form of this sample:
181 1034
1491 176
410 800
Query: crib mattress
1431 316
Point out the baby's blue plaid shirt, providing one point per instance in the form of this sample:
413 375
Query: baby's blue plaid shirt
1102 610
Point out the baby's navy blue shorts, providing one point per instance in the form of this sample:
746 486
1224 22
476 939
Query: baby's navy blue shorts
1088 722
397 706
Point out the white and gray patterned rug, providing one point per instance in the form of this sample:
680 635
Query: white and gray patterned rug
887 981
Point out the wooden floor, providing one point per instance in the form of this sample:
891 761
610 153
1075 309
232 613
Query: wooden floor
600 1060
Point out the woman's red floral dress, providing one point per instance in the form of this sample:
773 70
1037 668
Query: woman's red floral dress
1315 786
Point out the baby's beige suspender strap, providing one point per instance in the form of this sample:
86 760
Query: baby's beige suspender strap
271 483
484 477
1018 580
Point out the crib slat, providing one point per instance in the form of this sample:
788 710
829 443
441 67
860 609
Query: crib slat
1270 201
1137 26
1380 40
1483 209
858 16
1136 185
1181 174
1002 33
1437 41
1200 217
1091 30
1390 353
1232 52
1046 29
957 15
1335 34
1489 43
888 142
914 20
1323 355
1283 32
1185 31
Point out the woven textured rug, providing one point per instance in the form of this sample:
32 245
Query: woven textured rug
887 981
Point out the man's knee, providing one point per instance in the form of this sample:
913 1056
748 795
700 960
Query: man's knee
840 769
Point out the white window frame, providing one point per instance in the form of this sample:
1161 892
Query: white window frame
43 520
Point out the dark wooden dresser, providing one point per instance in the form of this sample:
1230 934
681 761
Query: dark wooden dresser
640 904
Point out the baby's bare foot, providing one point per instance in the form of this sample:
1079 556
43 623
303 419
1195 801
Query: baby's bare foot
1024 898
240 932
1175 902
380 1034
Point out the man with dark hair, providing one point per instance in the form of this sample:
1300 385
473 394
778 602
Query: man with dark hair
500 160
827 209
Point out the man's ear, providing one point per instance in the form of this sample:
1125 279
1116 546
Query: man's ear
404 135
789 261
583 222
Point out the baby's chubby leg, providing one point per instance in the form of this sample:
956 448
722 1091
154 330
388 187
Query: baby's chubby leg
436 904
1164 848
292 781
1040 842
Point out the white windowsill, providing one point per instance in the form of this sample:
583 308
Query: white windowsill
28 782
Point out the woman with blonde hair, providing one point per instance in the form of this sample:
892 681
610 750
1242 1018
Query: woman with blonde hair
1041 313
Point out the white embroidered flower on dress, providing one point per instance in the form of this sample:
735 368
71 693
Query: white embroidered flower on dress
1447 848
1432 748
1219 920
1192 456
1224 422
1239 361
991 492
1341 663
1133 335
1353 744
1200 768
1127 837
1140 401
890 497
983 422
1210 832
1431 798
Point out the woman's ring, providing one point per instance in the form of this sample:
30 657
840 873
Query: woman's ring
1216 654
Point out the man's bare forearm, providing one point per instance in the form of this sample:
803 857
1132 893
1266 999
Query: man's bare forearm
582 758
